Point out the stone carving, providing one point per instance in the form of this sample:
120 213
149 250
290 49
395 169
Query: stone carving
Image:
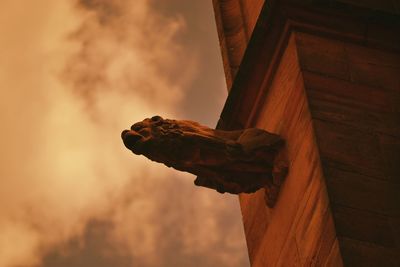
240 161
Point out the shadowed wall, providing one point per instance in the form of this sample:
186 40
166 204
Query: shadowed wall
324 75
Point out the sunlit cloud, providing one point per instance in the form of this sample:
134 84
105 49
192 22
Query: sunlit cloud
76 75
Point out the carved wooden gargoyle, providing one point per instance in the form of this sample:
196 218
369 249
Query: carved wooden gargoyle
240 161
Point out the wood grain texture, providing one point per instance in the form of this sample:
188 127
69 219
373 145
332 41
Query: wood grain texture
232 35
235 23
357 125
334 95
300 229
251 11
360 254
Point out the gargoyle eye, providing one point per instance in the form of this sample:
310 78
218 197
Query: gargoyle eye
156 118
136 127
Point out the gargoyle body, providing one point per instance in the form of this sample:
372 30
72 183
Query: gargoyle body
240 161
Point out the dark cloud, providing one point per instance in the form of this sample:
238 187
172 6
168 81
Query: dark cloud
93 248
106 10
189 230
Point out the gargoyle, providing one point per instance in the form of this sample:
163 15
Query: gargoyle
240 161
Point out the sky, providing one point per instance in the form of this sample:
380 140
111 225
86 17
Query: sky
74 74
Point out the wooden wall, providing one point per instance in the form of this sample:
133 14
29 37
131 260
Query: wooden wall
354 97
235 21
333 92
338 107
299 230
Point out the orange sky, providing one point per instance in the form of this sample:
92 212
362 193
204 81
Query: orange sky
73 75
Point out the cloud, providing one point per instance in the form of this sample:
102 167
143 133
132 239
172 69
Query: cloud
70 193
128 50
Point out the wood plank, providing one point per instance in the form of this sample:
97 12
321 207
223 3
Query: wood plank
255 213
361 254
362 192
349 149
334 258
300 217
232 36
251 10
364 108
282 87
386 5
321 55
327 242
337 59
379 76
256 217
390 153
383 33
291 194
363 226
346 93
366 55
312 222
395 226
309 227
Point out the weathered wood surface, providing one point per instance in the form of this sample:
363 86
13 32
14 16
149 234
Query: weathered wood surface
354 95
235 21
300 229
350 78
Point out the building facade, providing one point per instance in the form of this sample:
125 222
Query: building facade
325 75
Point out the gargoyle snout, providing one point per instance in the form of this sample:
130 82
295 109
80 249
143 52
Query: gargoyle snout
130 138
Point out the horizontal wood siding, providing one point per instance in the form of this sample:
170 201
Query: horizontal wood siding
354 94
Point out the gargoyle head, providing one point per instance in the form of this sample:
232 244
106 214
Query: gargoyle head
140 134
151 132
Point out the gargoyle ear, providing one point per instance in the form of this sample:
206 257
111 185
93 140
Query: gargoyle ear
156 118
